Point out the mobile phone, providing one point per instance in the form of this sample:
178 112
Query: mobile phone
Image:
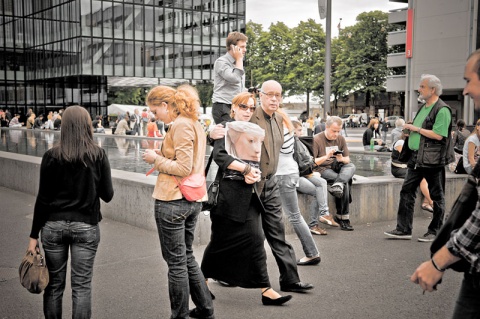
337 152
406 131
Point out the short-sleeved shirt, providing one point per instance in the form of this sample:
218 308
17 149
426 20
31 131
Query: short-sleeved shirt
442 122
471 139
321 145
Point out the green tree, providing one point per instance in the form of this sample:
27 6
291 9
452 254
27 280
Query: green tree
272 49
306 61
205 92
362 63
127 95
254 56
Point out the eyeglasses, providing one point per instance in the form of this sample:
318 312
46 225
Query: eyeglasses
478 124
246 107
270 95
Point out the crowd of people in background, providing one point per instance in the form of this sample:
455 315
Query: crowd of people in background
267 185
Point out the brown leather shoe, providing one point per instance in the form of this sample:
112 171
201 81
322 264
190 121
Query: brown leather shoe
328 220
315 230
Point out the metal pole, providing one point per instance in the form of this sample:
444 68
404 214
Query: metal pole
328 64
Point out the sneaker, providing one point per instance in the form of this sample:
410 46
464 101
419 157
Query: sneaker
315 230
428 237
336 190
344 224
328 220
398 234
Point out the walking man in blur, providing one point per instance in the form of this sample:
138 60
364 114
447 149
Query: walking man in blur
464 242
229 76
428 144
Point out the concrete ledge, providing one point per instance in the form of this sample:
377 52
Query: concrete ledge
374 199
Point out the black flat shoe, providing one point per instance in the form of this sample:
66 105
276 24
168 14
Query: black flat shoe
274 302
195 313
311 262
297 287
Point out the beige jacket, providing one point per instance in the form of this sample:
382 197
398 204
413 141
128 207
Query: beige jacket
182 154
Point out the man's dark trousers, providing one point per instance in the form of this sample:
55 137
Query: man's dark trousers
274 229
221 112
408 195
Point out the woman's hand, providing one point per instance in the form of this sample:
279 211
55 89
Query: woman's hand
253 176
33 246
149 156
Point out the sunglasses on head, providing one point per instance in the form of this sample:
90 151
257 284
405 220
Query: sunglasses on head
246 107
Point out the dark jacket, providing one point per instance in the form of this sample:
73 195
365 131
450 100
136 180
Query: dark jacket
368 134
435 153
268 162
71 191
234 196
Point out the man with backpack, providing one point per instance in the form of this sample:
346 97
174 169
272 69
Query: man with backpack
464 243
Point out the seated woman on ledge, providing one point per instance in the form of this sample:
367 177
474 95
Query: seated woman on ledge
373 132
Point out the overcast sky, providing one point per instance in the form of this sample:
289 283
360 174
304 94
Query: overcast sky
291 12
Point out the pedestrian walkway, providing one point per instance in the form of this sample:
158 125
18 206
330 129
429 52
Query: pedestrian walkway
362 275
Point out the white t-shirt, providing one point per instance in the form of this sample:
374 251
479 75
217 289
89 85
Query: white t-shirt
471 139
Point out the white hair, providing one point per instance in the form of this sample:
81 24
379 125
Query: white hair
433 82
399 123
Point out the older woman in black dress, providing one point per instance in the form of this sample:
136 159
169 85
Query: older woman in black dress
236 253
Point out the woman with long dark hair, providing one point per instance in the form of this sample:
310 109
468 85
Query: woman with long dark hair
74 176
182 154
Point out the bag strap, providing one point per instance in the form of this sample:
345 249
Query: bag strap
208 164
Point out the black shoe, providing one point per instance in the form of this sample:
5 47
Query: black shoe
344 223
275 302
297 287
195 313
224 283
311 262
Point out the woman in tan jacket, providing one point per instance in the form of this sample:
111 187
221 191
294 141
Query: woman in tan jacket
182 154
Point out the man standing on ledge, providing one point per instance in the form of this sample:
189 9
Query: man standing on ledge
229 76
428 144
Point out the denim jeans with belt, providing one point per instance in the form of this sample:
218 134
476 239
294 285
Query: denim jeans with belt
58 237
176 222
316 187
288 193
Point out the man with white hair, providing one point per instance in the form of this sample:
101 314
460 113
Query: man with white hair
397 131
428 142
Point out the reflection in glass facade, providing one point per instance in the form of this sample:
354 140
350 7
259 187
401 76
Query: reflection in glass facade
56 53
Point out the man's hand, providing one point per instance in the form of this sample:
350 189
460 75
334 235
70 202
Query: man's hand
217 132
236 52
411 127
427 276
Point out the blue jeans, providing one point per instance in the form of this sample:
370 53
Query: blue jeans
467 305
288 194
346 173
408 194
82 239
317 187
176 222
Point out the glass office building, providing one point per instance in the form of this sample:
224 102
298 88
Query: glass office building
56 53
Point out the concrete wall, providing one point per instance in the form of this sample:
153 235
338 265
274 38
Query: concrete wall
374 199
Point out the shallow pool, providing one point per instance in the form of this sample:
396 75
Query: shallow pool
125 153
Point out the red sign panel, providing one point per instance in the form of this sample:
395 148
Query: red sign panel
408 45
